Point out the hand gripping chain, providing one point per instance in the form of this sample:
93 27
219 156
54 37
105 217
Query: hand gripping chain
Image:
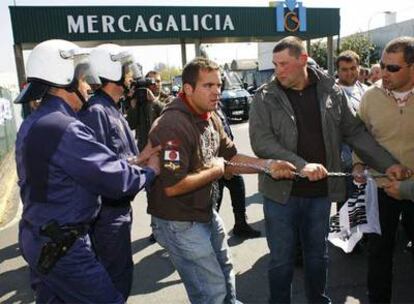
299 175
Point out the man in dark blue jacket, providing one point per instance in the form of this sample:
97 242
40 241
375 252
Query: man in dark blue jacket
112 229
62 169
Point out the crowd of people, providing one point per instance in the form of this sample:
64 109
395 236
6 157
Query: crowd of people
80 167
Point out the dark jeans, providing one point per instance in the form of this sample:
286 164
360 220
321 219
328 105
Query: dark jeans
346 157
237 193
111 238
306 219
381 247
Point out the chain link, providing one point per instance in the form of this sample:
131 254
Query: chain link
297 174
245 165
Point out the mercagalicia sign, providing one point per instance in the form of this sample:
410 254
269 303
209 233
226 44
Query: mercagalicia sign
109 23
93 24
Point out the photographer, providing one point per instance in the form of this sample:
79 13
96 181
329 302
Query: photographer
156 87
146 106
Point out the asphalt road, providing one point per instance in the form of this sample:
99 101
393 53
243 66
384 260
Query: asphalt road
156 281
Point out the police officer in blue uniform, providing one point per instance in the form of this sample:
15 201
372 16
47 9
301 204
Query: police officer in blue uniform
62 169
111 233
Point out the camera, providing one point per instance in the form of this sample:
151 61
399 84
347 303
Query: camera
140 86
143 83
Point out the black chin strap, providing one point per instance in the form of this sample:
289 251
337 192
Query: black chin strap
81 98
124 86
74 88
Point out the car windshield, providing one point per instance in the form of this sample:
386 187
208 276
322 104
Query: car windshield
231 80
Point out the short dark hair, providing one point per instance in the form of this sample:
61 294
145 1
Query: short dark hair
152 73
192 69
293 44
347 56
404 45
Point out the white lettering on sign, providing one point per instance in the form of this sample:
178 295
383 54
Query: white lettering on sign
184 27
228 23
121 24
171 24
204 22
108 24
195 23
156 27
91 21
77 26
141 26
92 24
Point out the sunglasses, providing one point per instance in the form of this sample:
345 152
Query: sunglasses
392 68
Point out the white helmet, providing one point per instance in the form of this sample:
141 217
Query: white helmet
109 62
55 63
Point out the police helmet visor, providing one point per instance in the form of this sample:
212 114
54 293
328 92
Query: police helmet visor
128 62
85 71
136 70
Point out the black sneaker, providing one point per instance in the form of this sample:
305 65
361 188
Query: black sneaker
152 239
243 230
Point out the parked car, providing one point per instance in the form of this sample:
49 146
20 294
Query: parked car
235 99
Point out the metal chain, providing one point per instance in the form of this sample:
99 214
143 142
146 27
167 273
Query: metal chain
297 174
347 174
245 165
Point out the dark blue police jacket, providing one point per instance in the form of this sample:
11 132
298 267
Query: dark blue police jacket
62 168
111 128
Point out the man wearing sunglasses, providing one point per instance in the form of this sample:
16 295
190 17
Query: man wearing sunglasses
387 111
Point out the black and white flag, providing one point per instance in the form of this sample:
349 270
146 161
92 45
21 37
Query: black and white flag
357 216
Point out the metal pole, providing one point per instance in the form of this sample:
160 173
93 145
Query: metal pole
197 44
330 56
183 53
21 74
338 45
18 56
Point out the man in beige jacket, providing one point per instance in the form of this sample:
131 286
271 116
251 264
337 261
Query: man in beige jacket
388 112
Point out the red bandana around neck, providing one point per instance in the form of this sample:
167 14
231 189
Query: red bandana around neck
204 116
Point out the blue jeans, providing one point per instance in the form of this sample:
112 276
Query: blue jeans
201 256
301 218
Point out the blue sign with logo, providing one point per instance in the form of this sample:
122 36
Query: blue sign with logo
290 16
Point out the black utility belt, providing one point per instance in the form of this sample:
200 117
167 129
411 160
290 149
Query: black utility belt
62 239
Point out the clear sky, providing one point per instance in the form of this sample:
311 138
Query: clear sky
356 15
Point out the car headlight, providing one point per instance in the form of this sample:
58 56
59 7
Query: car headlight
249 99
